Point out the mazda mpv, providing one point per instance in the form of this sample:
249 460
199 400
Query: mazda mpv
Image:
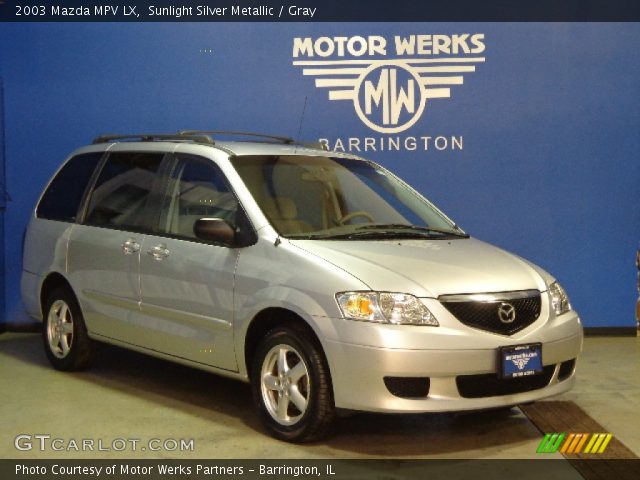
319 277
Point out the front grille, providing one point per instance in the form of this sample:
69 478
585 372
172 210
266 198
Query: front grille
491 312
490 385
408 387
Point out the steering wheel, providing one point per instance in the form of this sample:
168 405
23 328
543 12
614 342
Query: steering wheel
358 213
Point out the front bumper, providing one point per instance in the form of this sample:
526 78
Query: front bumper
358 371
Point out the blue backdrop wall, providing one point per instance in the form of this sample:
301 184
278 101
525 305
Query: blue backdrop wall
539 147
3 195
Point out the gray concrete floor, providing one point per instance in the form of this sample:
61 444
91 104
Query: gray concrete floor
129 395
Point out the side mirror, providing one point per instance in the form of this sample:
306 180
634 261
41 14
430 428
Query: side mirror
215 230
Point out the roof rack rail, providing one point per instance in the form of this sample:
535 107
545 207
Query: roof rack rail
204 137
316 145
151 137
277 138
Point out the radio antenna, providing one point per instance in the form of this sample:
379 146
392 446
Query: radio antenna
304 108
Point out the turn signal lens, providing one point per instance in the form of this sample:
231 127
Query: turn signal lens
360 306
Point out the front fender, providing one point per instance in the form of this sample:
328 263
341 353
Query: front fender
292 300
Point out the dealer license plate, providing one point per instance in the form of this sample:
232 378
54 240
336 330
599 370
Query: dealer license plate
521 360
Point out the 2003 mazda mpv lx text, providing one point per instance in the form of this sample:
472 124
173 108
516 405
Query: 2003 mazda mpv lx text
320 278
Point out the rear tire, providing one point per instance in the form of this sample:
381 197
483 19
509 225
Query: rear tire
291 386
66 343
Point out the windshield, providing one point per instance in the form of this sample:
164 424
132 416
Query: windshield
322 197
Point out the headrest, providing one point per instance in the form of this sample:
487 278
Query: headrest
280 207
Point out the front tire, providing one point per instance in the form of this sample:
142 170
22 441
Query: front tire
66 343
292 387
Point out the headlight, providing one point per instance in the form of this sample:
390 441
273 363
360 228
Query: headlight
559 299
385 307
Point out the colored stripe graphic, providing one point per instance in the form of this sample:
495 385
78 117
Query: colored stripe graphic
551 443
598 443
573 443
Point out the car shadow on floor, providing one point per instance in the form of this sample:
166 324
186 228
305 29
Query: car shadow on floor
208 396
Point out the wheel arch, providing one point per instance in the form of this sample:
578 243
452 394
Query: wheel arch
51 282
266 320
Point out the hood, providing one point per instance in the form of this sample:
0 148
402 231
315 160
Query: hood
429 268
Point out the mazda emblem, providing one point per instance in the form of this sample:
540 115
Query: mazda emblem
506 313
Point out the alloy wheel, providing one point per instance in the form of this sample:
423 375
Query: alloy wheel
60 329
285 385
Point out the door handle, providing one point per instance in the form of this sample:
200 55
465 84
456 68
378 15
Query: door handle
159 252
130 246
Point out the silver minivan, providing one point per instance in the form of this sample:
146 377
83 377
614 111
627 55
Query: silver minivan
319 277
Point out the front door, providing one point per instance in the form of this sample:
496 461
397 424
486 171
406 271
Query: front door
187 284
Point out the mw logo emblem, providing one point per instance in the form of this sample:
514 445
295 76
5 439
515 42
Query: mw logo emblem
389 95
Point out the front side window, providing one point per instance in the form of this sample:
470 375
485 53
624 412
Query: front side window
322 197
63 195
123 189
198 189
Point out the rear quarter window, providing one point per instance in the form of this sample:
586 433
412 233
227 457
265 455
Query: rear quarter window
62 197
123 191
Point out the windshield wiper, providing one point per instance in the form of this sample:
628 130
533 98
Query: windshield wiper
388 233
392 230
415 228
375 234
